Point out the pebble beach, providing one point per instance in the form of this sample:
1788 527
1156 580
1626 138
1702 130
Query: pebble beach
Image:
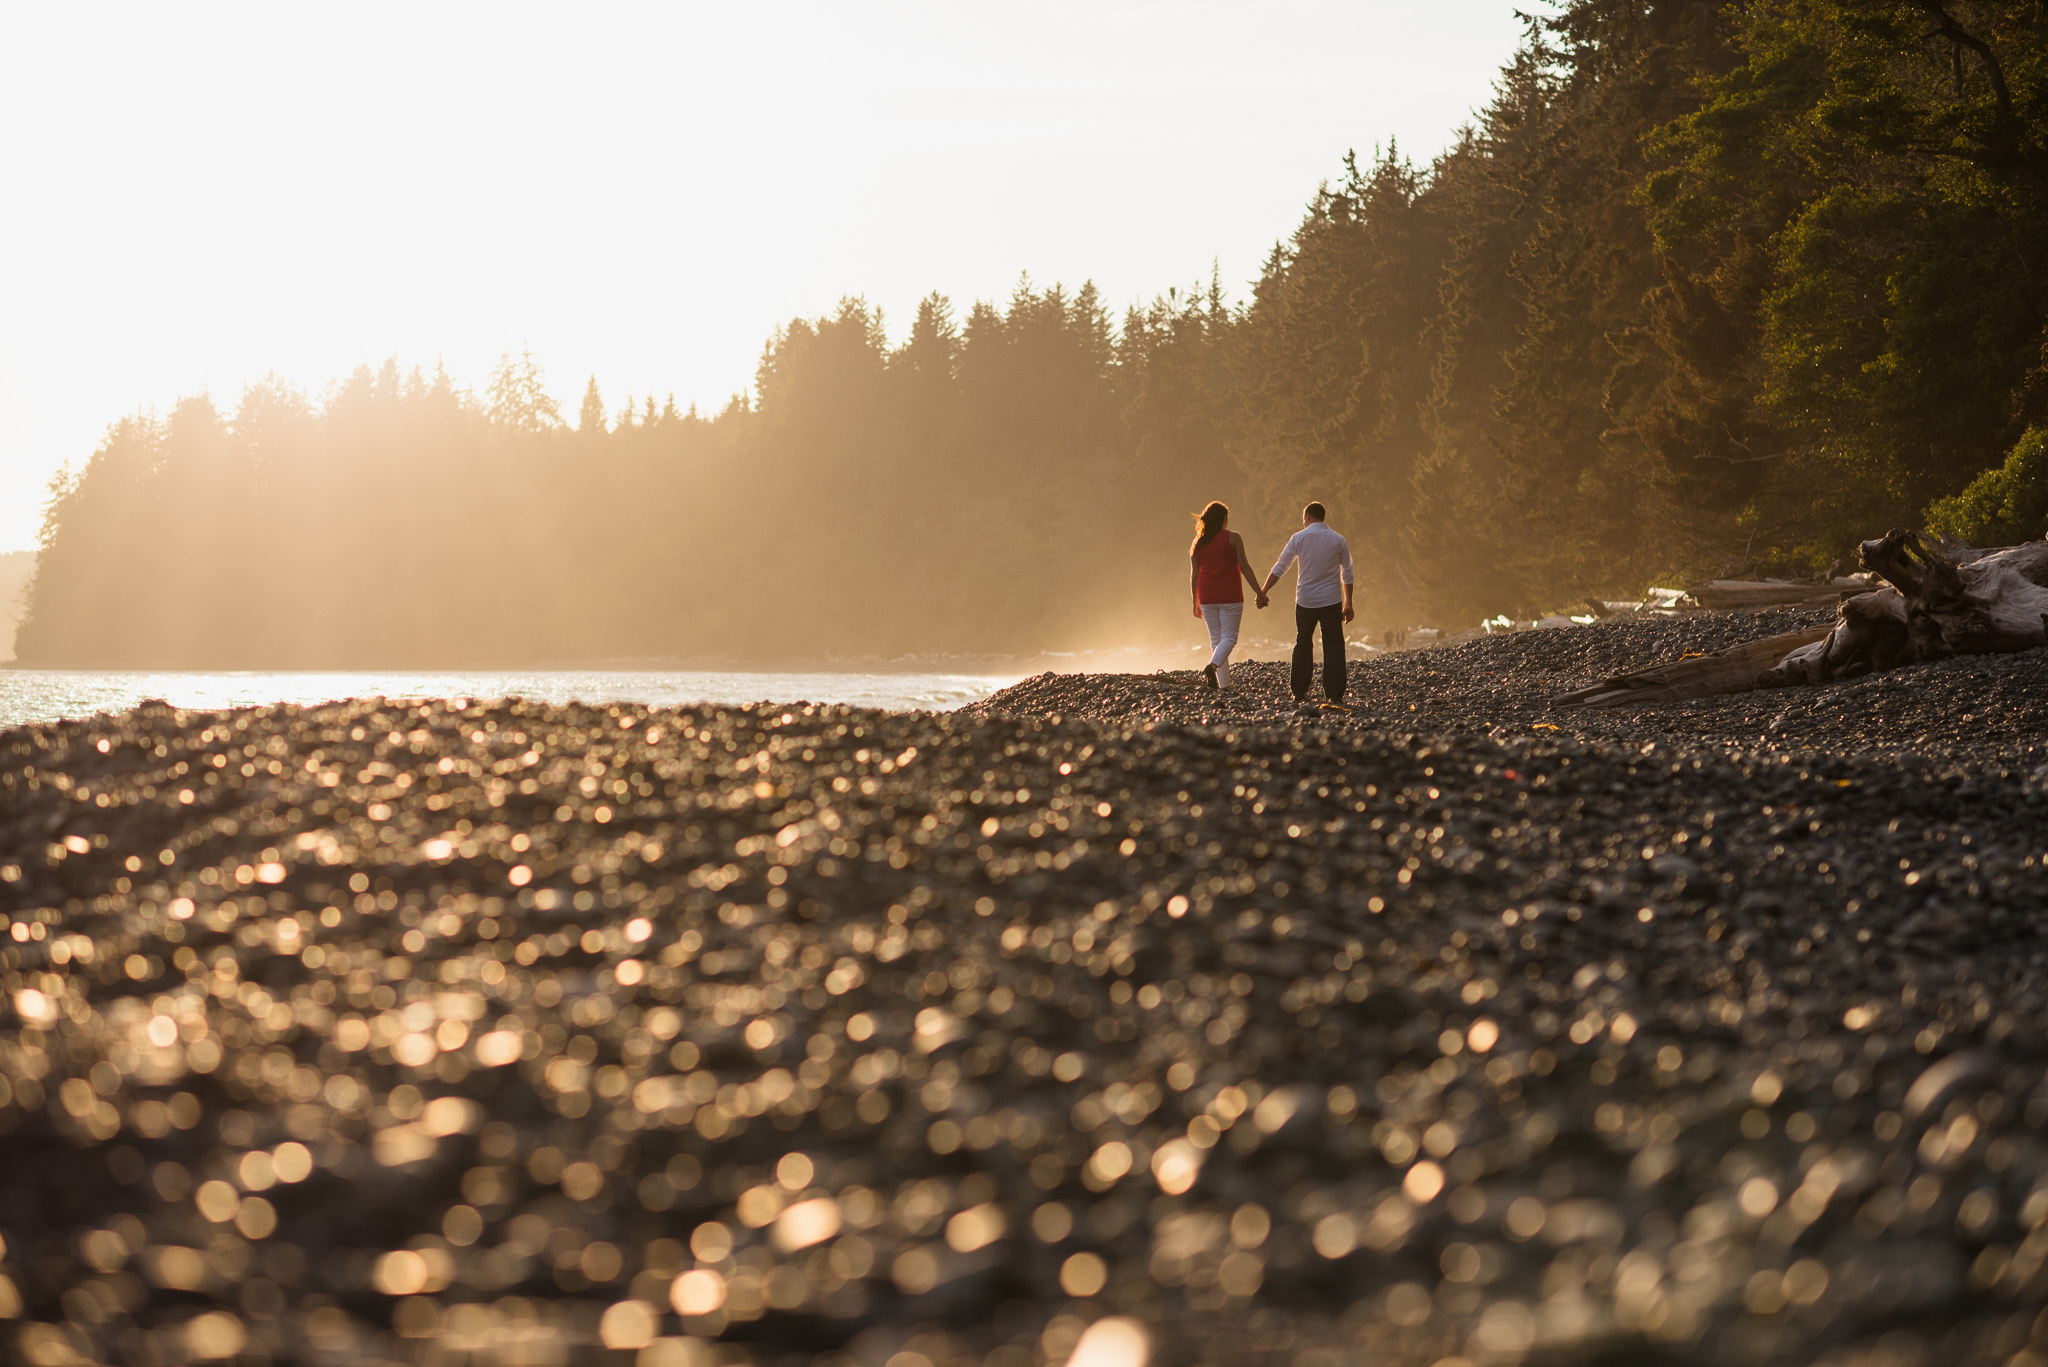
1108 1021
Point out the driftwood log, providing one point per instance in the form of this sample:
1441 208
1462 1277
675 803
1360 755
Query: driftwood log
1771 593
1733 670
1941 599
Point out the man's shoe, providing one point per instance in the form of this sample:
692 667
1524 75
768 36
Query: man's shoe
1336 707
1209 673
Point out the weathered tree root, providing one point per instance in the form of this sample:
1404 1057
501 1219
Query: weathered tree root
1945 599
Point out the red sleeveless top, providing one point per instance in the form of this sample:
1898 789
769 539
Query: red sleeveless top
1216 576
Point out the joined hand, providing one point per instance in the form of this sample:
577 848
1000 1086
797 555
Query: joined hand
1262 600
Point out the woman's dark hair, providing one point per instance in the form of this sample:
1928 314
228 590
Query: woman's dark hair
1208 522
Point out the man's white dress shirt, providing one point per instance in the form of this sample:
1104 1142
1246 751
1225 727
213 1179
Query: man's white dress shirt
1325 559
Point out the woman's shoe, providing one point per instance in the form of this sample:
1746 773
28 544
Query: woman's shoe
1209 673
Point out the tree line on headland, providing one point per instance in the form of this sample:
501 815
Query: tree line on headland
1705 289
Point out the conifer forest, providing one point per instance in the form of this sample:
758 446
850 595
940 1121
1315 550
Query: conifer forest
1705 289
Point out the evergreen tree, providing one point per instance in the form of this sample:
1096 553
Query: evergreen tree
519 402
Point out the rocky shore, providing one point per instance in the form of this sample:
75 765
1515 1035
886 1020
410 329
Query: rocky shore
1109 1020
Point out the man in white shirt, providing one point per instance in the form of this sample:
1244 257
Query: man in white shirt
1322 598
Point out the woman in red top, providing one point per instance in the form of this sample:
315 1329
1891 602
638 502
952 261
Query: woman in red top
1217 572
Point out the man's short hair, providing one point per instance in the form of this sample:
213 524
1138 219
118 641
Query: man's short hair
1314 512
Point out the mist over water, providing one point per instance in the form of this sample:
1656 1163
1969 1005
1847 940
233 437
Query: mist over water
29 696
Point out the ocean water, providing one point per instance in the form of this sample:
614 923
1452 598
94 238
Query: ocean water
45 695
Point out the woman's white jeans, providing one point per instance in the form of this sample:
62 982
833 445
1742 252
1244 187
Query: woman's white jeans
1223 620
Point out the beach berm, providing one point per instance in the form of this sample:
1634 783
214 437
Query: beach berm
398 1032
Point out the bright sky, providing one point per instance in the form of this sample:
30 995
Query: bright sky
199 194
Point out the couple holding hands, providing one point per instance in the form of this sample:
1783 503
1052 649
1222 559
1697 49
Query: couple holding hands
1218 570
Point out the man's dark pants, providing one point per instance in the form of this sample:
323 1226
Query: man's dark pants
1331 620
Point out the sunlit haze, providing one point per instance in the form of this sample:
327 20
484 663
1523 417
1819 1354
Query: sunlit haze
643 192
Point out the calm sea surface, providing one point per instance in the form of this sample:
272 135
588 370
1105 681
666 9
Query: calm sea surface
38 695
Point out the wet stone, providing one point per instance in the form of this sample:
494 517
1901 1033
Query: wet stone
1110 1019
